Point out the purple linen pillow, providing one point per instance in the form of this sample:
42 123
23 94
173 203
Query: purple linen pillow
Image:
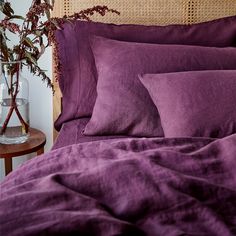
78 76
123 105
197 103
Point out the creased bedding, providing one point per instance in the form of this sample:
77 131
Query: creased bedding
155 186
72 133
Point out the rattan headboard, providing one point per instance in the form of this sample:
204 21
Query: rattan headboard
147 12
161 12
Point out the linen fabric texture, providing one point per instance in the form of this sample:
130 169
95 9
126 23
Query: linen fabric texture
78 76
132 186
194 104
123 105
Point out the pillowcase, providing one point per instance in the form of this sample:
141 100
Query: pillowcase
123 106
78 76
198 103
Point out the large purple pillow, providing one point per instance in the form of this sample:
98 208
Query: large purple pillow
78 77
197 103
123 105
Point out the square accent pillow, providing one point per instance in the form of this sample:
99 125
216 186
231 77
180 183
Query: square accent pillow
123 105
78 75
196 103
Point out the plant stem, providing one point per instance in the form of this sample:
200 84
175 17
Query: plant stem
3 129
14 107
24 124
13 96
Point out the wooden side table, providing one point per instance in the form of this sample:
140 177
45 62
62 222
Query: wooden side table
35 143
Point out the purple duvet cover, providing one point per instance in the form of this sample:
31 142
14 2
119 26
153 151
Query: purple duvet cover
128 186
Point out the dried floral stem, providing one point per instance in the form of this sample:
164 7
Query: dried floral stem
14 107
24 124
13 96
3 129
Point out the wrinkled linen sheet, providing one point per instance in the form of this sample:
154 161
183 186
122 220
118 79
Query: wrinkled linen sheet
125 187
72 133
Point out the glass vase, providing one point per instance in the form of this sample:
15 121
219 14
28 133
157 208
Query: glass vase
14 104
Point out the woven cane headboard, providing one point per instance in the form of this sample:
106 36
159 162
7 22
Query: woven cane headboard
161 12
147 12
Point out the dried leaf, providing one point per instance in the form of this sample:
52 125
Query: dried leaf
48 14
27 42
42 50
37 33
55 23
30 58
6 9
3 34
17 17
4 49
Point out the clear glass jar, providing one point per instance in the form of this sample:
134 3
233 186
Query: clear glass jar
14 104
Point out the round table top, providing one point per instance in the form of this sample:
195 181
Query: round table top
36 141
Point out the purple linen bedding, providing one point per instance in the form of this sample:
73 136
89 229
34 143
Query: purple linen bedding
123 106
194 103
78 76
130 186
72 133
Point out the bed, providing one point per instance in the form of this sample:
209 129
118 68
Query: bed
147 127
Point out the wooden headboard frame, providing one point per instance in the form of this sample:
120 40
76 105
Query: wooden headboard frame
147 12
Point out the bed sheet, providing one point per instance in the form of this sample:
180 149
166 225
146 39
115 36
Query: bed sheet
128 186
72 133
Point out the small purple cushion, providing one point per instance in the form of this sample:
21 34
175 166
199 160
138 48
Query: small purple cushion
197 103
78 76
123 105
